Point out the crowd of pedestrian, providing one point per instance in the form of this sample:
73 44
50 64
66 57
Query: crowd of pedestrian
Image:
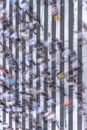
24 65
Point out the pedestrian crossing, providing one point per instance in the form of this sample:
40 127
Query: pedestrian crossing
42 68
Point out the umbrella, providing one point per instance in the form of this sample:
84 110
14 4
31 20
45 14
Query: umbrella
67 103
